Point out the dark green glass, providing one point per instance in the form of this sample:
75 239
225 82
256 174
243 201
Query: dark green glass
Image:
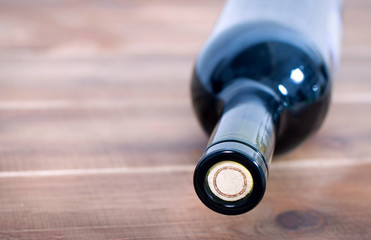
257 88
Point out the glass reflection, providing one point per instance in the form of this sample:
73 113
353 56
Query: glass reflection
297 75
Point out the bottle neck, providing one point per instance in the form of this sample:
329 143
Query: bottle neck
231 176
249 116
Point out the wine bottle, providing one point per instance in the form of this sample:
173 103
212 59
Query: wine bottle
261 84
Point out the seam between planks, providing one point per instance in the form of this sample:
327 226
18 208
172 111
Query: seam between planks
293 164
84 104
97 171
352 98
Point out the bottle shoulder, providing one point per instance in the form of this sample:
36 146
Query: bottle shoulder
271 55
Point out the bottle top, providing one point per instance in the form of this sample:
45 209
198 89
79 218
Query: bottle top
229 181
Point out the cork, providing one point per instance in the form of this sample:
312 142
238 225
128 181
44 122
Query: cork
229 181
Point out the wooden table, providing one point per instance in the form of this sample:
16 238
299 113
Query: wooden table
98 139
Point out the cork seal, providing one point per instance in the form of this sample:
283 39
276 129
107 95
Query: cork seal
229 181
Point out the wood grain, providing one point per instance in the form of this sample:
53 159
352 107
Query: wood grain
301 203
98 139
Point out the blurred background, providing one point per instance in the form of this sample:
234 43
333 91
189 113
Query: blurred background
98 139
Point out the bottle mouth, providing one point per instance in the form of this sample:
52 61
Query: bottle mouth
230 178
229 181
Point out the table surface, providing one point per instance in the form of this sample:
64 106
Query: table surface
98 139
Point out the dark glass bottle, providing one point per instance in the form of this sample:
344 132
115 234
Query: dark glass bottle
258 87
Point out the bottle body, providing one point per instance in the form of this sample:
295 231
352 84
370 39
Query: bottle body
258 86
317 20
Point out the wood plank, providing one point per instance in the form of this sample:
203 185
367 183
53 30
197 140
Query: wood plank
61 139
137 136
91 27
300 203
44 78
127 25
